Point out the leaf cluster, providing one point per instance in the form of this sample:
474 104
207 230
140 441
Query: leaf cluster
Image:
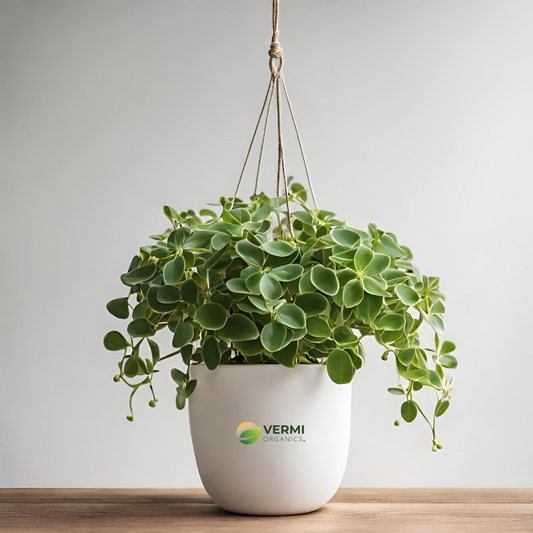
234 287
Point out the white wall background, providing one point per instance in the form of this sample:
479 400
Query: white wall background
417 115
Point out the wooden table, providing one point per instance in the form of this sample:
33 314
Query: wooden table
191 510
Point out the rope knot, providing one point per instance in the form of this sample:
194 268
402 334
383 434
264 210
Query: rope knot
275 51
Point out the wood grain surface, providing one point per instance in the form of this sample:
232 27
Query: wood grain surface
191 510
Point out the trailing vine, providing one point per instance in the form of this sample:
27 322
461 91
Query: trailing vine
235 287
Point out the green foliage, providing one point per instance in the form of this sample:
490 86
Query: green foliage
233 287
340 366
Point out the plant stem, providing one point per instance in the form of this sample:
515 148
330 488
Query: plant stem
425 418
128 384
152 389
169 355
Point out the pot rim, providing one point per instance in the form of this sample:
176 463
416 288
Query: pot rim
255 365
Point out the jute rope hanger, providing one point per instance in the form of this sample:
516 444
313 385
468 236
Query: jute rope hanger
274 86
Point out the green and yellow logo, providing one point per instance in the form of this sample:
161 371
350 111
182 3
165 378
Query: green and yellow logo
248 432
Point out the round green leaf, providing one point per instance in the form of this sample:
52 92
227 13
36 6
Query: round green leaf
353 293
115 341
363 257
375 286
249 271
140 327
143 368
140 309
131 367
305 285
273 336
299 334
340 367
211 352
304 216
447 347
135 262
160 250
220 240
287 355
407 295
345 236
317 327
237 285
183 334
392 246
178 376
391 322
357 353
119 307
199 240
277 248
141 274
291 315
345 275
379 264
177 237
181 398
241 215
173 270
262 213
249 348
287 272
238 328
270 288
409 411
273 261
211 316
189 259
437 324
259 302
190 387
389 336
442 407
418 373
215 260
396 390
312 303
189 291
344 335
155 304
345 257
370 307
325 280
434 379
448 361
406 356
186 353
253 283
168 294
393 277
252 254
154 348
171 213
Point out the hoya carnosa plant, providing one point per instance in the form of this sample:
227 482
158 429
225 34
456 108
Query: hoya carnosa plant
238 286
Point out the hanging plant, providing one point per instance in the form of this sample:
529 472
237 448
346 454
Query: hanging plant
275 281
234 287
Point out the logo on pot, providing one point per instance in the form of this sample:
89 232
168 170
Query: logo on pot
248 432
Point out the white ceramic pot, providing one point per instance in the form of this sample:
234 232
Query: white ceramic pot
270 440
